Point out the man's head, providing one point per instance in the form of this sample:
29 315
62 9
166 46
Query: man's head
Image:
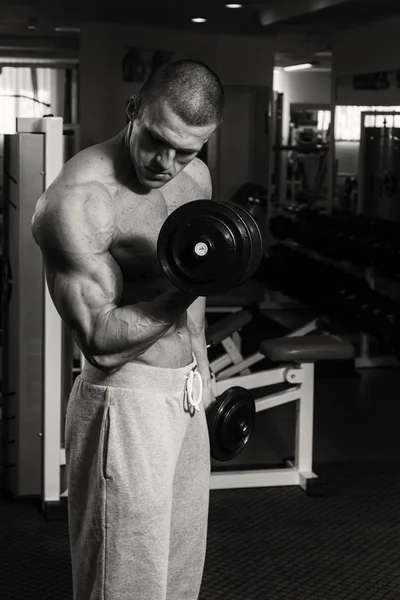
176 112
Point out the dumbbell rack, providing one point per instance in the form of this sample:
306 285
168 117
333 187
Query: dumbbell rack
334 241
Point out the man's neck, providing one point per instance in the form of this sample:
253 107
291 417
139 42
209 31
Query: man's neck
123 164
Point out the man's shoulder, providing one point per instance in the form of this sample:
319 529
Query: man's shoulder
200 174
81 179
66 215
199 169
89 165
77 197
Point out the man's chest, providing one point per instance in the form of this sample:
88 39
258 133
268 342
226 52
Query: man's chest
138 220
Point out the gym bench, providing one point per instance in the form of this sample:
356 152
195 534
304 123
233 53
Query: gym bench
294 356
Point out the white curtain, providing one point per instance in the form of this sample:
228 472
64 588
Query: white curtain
25 92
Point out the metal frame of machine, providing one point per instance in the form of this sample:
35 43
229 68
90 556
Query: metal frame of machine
33 158
228 371
53 454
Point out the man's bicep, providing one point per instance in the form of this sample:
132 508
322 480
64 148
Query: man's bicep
84 290
83 278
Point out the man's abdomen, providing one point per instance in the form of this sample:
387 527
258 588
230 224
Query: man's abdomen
173 350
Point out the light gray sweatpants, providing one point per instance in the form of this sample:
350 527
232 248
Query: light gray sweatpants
138 473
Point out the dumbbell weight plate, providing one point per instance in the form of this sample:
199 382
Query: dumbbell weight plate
206 247
255 240
230 423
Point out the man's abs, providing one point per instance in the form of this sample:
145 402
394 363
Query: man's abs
174 349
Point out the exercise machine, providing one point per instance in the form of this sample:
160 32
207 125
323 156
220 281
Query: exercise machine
36 367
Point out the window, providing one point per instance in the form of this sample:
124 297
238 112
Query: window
25 92
348 120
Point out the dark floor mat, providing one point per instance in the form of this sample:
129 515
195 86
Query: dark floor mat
279 544
267 544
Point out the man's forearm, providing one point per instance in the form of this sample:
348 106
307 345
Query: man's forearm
196 325
199 347
126 332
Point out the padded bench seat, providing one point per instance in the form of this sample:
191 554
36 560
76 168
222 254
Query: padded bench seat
306 349
225 327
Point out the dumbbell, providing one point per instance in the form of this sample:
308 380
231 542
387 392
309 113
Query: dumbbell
230 423
207 248
313 230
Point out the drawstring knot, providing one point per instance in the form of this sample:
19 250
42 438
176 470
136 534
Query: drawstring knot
190 379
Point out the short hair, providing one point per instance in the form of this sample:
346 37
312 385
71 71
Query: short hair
192 90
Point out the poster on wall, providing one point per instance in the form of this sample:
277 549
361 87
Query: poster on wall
139 63
373 81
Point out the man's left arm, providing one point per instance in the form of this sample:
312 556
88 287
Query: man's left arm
196 320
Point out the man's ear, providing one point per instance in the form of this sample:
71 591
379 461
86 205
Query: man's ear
133 107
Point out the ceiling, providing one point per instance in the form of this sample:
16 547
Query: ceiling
303 27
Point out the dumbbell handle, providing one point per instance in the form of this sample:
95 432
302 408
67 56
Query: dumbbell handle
201 249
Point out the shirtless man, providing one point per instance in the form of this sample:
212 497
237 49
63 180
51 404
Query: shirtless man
137 445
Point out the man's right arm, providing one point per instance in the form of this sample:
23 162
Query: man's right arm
85 283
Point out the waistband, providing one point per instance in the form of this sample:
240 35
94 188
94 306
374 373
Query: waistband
141 376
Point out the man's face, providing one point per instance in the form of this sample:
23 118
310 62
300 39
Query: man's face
161 144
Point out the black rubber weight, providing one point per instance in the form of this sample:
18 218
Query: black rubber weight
232 239
230 423
256 242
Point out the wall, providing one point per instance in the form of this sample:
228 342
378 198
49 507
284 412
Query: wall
347 157
345 94
95 81
367 49
237 61
235 168
244 143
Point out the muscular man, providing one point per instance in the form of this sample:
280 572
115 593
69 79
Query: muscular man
137 444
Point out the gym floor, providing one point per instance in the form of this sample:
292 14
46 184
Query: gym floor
272 543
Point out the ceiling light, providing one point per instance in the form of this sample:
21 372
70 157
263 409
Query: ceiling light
300 67
8 60
199 20
234 5
32 24
67 29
